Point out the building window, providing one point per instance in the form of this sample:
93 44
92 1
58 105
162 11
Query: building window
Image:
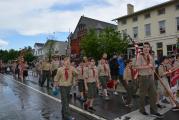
177 20
147 30
124 22
81 27
147 15
162 26
135 32
135 18
177 6
171 49
159 45
124 32
161 11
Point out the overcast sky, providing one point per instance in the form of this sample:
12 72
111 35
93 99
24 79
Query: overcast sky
24 22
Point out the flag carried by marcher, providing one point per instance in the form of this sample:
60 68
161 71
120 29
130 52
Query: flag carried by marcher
175 78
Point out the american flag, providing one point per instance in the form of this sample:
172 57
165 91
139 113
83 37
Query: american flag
175 78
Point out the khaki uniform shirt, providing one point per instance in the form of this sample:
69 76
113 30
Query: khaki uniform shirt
86 69
162 70
61 78
142 62
39 66
102 71
92 77
80 70
55 65
46 66
127 74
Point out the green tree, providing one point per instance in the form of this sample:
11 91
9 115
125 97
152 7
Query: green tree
89 44
28 54
108 40
50 48
8 55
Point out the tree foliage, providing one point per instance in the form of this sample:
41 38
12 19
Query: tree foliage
108 40
8 55
50 48
28 54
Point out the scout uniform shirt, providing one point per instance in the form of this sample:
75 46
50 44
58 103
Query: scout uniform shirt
86 69
103 69
55 65
176 64
65 76
46 66
92 75
80 70
128 74
38 66
142 62
162 70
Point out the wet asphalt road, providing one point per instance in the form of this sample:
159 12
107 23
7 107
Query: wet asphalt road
19 102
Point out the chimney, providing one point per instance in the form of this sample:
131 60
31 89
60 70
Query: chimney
130 9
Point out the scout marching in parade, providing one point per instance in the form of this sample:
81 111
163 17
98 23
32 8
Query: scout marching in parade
158 81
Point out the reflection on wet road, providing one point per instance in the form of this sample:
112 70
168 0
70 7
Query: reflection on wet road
21 103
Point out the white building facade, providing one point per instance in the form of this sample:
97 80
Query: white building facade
38 49
158 25
58 48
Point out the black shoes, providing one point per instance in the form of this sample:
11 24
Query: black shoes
157 115
161 106
91 108
165 101
144 113
175 109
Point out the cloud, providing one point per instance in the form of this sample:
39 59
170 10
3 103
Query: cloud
3 43
32 17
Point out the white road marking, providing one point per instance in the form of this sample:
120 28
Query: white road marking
58 100
136 115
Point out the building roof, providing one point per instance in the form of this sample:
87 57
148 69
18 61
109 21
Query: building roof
39 44
148 9
92 23
54 41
